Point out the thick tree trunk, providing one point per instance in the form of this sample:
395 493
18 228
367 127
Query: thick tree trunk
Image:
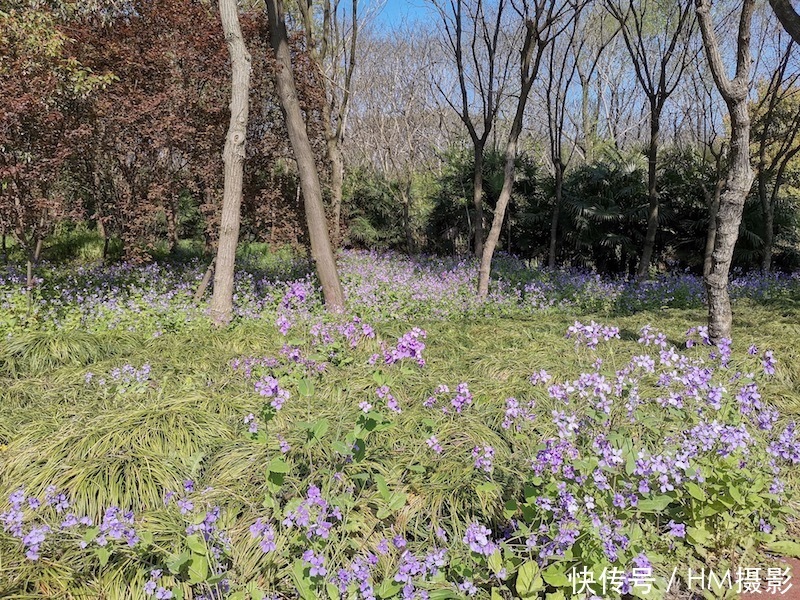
558 177
729 217
735 92
233 158
477 201
652 194
321 249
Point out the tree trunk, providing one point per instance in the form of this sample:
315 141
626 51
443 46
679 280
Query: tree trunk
233 157
652 194
735 92
499 214
477 201
711 233
337 185
407 200
201 289
767 211
559 186
729 217
321 249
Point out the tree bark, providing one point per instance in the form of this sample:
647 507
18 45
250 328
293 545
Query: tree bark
558 176
321 249
739 180
711 233
337 185
529 70
477 200
652 193
233 157
788 17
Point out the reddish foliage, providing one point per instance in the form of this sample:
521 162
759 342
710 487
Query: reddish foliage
128 153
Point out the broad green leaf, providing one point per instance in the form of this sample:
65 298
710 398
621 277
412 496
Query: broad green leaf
695 491
278 465
198 569
196 544
305 387
103 554
529 582
785 548
555 576
176 562
654 505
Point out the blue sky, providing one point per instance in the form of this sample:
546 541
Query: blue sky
394 11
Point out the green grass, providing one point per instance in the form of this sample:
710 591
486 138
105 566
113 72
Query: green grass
129 449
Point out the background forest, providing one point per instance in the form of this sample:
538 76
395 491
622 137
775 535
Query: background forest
114 116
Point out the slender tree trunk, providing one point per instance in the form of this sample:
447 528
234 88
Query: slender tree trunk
652 194
321 249
767 212
201 289
407 200
711 233
233 157
477 201
499 214
558 176
337 185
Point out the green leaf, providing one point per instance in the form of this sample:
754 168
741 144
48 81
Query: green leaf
198 569
555 576
737 495
333 591
654 505
529 582
443 594
495 562
785 548
103 554
305 387
378 378
175 562
301 581
146 537
342 448
319 428
196 544
496 595
698 536
397 501
278 465
388 588
383 487
90 534
696 492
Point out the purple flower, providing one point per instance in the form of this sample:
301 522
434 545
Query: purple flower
317 563
484 458
769 363
433 444
479 540
676 529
